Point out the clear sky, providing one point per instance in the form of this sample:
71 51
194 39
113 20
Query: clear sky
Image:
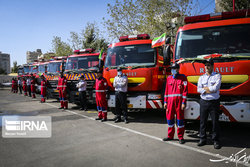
27 25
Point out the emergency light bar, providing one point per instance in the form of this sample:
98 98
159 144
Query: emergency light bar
218 16
134 37
89 50
60 58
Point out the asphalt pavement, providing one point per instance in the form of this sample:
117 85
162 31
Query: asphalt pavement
79 140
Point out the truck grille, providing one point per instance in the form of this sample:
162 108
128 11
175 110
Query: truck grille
72 85
52 83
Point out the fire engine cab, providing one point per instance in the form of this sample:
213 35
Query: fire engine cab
54 67
225 38
82 62
144 68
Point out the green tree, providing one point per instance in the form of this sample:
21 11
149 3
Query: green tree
88 38
15 67
124 18
75 40
227 5
60 48
145 16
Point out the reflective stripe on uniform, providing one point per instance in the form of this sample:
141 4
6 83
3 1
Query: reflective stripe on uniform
173 95
180 123
170 123
100 91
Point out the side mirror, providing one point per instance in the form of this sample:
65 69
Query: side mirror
166 55
101 64
168 40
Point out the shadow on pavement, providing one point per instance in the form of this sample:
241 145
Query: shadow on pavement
232 134
147 117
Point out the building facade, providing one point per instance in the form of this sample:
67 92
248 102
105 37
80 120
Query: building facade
32 56
5 62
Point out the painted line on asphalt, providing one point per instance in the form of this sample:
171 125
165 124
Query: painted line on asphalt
155 138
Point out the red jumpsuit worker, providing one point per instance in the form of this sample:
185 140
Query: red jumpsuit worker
43 89
62 87
14 85
25 87
175 102
32 87
101 102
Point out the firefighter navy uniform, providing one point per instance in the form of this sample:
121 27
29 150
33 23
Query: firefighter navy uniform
62 87
28 82
101 102
20 85
209 103
175 96
121 87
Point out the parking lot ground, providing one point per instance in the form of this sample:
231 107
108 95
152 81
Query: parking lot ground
79 140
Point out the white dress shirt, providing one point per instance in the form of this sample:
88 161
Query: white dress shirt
28 81
213 82
82 85
19 82
121 83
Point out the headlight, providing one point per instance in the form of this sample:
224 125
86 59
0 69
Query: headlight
154 96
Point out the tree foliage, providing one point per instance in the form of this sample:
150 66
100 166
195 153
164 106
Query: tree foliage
60 48
227 5
15 67
145 16
88 38
75 40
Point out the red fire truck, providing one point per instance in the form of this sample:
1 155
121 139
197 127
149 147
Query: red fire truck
144 68
82 62
42 68
54 67
225 38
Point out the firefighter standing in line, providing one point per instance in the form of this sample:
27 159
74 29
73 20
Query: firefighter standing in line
121 87
62 87
12 85
82 92
28 82
101 86
209 88
175 98
24 87
20 85
43 89
32 86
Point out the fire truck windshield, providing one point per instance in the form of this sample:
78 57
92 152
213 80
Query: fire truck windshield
81 62
132 55
54 67
34 69
233 40
26 69
20 71
41 68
